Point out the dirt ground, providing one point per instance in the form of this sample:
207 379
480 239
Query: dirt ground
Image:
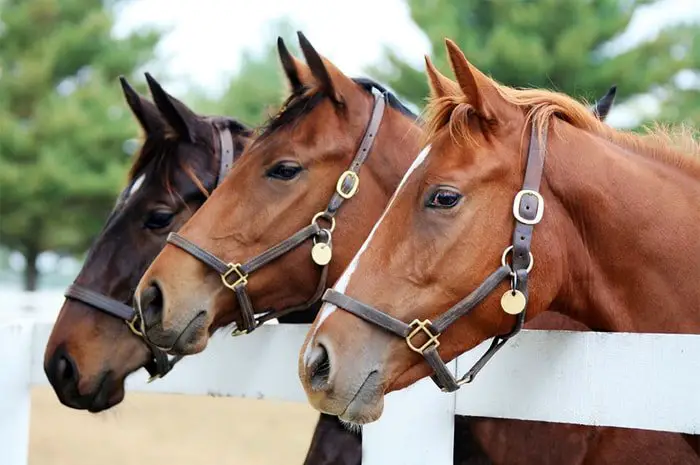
170 430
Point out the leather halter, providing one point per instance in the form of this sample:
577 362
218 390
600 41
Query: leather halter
528 208
235 275
161 364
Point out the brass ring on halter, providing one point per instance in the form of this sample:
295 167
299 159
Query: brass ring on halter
530 264
132 325
325 216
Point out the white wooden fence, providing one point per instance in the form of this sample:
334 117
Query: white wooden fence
648 381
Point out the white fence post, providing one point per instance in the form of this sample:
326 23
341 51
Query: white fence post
16 350
417 428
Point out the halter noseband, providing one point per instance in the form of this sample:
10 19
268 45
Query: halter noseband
235 275
161 363
528 208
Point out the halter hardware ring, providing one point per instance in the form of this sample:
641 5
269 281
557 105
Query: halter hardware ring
353 189
530 264
234 268
540 207
325 216
132 325
418 327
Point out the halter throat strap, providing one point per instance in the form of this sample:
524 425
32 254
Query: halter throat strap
235 275
528 208
161 363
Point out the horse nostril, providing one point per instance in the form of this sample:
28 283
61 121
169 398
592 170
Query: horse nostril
64 374
151 303
319 368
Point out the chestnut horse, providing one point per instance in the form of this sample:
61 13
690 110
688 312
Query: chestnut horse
184 156
447 226
303 152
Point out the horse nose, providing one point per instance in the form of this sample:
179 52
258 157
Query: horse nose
63 375
318 368
151 305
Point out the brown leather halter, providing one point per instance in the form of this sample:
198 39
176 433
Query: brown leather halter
528 208
161 364
235 275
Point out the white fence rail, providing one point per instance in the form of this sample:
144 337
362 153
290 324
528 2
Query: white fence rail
648 381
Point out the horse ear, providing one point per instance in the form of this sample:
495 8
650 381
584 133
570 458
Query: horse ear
145 112
480 90
180 118
440 86
296 71
602 107
331 80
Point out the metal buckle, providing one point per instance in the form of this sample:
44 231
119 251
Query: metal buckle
153 378
540 207
132 325
323 215
242 277
238 332
353 189
530 264
422 326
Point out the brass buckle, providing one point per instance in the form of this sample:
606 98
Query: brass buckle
538 213
238 332
234 268
153 378
132 325
353 189
422 326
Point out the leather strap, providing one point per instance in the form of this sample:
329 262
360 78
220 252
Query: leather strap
226 155
211 260
101 302
362 152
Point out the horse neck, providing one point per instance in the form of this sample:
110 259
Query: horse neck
631 224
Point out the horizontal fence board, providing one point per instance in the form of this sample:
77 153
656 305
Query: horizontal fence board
647 381
261 365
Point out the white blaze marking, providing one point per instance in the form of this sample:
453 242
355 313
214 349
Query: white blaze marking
342 283
136 185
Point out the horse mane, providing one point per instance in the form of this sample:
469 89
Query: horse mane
157 154
302 102
677 146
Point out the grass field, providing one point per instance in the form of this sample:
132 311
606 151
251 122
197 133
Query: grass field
170 430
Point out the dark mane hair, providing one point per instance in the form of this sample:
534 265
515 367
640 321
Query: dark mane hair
301 103
157 153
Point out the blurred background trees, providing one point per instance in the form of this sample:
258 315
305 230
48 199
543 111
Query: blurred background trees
556 44
64 126
66 135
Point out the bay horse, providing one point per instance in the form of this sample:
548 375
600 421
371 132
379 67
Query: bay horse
319 129
451 219
90 352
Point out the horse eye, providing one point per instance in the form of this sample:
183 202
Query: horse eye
443 197
159 219
285 170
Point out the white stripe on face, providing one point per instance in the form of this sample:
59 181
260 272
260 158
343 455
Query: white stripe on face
342 283
136 185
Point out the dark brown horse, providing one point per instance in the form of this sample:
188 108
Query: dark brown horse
614 201
282 181
90 352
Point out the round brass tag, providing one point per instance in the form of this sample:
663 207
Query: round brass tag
513 302
321 253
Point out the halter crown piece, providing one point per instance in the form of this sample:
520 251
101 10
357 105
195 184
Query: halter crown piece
161 364
235 275
528 208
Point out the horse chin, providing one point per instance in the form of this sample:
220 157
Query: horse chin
188 340
367 404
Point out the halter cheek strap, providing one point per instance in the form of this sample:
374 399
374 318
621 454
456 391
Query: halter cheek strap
528 208
235 275
161 363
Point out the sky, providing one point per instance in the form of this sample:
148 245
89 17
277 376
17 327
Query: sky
206 38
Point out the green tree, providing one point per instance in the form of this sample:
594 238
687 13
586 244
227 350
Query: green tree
256 91
63 122
560 44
